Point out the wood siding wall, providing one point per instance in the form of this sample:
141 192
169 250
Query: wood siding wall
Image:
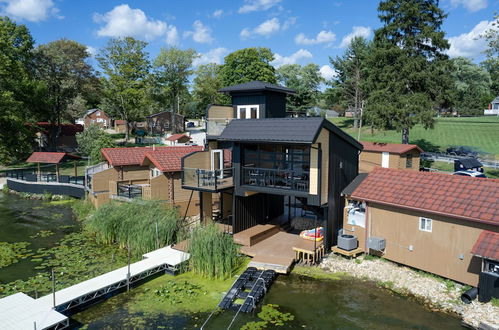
200 159
220 112
370 159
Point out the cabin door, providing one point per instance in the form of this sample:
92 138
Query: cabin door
385 159
217 162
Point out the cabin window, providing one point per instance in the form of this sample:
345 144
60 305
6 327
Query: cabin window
97 113
425 224
248 111
408 161
155 172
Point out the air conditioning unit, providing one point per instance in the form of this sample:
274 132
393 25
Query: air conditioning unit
376 243
347 242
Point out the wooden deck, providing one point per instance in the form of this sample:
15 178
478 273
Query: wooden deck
255 234
353 253
278 252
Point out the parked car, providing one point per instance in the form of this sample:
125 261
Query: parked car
191 124
464 151
474 174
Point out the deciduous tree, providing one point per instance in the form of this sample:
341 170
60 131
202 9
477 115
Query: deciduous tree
125 64
207 82
246 65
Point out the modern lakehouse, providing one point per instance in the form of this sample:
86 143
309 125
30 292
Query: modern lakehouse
443 224
389 155
269 171
150 173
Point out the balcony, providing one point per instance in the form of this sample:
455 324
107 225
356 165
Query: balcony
275 178
203 179
127 192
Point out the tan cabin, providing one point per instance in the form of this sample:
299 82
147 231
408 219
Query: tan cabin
389 155
429 221
150 173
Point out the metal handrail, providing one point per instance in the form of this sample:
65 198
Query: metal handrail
276 178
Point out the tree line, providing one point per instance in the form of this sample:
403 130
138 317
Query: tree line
401 78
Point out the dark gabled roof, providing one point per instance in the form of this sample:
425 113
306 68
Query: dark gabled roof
354 184
257 86
470 162
283 130
162 112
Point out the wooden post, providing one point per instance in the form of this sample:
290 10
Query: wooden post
39 173
57 172
53 287
75 168
128 274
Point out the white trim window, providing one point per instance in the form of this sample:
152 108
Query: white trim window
155 172
425 224
248 111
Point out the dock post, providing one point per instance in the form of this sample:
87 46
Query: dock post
157 236
34 325
128 274
53 287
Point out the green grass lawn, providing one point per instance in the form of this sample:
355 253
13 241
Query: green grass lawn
479 132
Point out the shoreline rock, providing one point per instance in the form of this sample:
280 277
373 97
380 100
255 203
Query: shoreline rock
436 293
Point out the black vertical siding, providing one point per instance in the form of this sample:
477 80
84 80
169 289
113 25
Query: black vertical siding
343 168
255 210
272 105
275 105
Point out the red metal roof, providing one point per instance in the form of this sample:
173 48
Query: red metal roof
176 137
169 159
120 122
487 245
396 148
46 157
474 199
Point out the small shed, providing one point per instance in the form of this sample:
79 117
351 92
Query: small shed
120 126
464 164
178 138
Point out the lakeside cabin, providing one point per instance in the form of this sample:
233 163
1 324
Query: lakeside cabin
151 173
443 224
389 155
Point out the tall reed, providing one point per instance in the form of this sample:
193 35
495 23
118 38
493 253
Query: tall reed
143 225
213 253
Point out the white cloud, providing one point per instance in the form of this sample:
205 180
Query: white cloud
288 23
357 31
217 13
92 51
29 10
124 21
266 29
323 37
171 35
470 5
201 33
215 55
469 44
291 59
257 5
328 72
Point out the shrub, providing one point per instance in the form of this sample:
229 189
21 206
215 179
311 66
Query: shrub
82 209
135 224
213 253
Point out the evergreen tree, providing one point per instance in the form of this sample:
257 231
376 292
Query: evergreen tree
409 72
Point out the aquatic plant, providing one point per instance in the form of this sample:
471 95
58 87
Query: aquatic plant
178 292
141 225
12 252
82 208
43 233
270 315
5 189
213 253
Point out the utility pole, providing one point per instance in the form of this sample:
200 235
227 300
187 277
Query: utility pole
360 122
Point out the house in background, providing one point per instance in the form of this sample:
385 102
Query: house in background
97 117
389 155
53 137
464 164
120 126
150 173
175 139
493 109
429 221
162 123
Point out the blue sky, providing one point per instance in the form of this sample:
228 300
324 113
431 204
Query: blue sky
296 31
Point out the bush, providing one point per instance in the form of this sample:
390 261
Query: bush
140 224
213 253
91 140
82 209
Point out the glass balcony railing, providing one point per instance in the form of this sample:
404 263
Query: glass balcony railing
207 179
129 191
275 178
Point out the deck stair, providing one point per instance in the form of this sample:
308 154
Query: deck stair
255 234
250 287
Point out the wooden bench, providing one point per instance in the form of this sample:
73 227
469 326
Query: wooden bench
255 234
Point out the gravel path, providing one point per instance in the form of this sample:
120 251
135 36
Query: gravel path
435 293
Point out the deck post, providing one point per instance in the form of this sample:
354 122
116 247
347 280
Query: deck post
75 168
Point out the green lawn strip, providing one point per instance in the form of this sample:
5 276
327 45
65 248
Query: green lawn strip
479 132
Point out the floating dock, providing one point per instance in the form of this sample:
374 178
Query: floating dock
19 311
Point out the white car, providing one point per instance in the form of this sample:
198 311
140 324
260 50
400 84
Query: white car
474 174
